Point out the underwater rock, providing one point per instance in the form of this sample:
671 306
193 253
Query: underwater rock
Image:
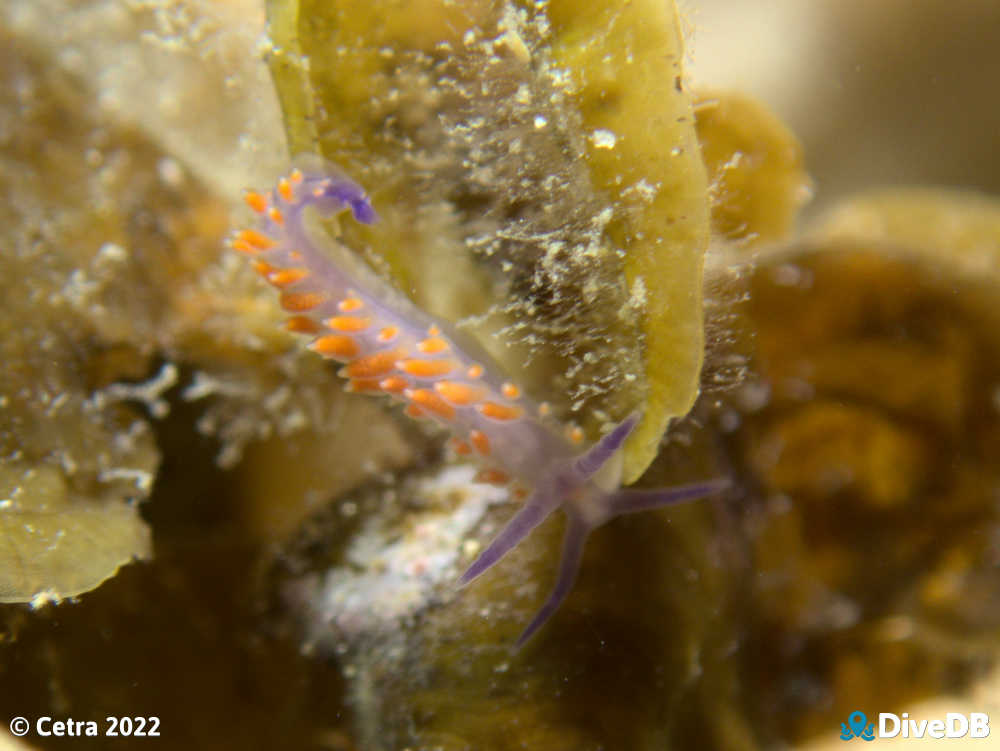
871 431
186 74
395 567
430 665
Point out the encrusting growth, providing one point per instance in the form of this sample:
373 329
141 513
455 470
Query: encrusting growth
389 346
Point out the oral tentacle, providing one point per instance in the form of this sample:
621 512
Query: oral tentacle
576 534
631 501
535 510
591 461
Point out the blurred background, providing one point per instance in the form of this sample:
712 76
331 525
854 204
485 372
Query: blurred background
880 92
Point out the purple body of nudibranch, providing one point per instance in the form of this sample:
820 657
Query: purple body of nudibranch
390 346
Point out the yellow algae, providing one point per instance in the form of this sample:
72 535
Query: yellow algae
626 60
53 546
755 165
537 176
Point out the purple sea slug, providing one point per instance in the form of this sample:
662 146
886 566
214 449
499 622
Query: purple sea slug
389 346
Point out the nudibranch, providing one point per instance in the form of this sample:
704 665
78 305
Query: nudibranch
387 345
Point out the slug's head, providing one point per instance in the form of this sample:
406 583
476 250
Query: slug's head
332 194
327 189
575 488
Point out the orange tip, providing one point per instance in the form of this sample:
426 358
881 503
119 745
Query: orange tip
287 277
349 324
394 384
426 368
501 412
256 201
302 325
335 345
459 394
350 305
480 441
374 365
388 333
365 386
430 402
300 302
460 447
510 391
256 239
492 477
432 346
